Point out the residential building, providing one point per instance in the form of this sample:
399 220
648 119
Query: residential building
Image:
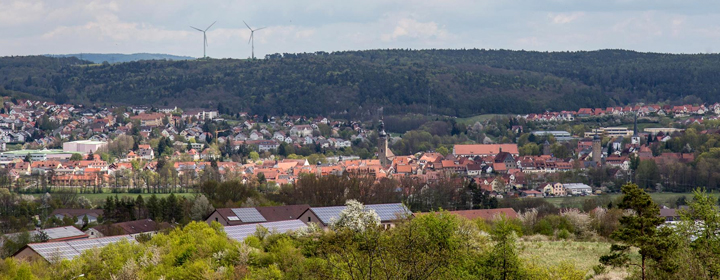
484 150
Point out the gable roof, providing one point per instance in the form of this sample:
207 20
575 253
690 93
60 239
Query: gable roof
387 212
65 250
282 213
132 227
484 149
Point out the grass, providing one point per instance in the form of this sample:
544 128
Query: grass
584 255
660 198
479 118
103 196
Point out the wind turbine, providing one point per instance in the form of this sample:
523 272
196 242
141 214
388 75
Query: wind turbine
204 36
252 37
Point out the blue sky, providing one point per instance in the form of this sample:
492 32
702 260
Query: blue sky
162 26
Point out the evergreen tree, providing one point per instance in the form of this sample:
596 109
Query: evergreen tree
640 230
153 208
109 209
141 209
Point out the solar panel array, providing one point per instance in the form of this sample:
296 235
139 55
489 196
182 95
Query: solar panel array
248 215
240 232
62 232
325 214
56 251
387 212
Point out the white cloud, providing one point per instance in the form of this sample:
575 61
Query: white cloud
56 26
411 28
565 17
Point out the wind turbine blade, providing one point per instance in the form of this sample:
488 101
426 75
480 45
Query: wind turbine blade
261 28
205 39
198 29
206 29
251 36
248 26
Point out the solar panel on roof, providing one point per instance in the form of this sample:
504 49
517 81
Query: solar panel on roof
387 212
325 214
240 232
54 251
248 215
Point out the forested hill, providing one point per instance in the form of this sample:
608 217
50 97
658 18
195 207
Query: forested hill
457 82
120 57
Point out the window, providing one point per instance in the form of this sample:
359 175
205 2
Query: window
309 219
216 219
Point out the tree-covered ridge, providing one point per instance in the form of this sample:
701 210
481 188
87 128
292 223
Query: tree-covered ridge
457 82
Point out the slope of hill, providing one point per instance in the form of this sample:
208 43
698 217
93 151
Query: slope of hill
119 57
456 82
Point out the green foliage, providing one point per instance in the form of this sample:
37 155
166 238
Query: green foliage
76 157
640 230
460 82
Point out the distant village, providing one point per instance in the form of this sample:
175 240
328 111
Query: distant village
68 146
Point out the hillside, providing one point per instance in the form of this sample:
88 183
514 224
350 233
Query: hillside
459 82
119 57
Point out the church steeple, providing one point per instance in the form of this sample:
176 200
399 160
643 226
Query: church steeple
383 146
635 140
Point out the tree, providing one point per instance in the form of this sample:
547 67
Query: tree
76 157
503 262
700 224
639 230
355 217
254 155
443 150
201 208
647 174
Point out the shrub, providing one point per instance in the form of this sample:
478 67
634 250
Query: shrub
563 234
544 227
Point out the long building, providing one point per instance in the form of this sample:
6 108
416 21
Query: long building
484 150
83 146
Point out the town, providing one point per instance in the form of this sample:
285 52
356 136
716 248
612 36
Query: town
182 162
129 148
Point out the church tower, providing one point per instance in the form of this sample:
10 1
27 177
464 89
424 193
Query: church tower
597 149
635 140
383 146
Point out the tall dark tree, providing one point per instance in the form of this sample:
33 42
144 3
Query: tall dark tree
640 230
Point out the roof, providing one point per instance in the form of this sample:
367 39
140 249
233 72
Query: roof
65 250
387 212
77 212
282 213
485 214
484 149
239 233
131 227
666 212
55 234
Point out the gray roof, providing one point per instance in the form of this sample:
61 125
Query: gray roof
239 233
387 212
65 250
248 215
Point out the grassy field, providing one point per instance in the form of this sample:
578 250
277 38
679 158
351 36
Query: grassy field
479 118
584 255
103 196
660 198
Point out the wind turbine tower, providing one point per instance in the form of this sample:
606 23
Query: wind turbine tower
252 38
205 44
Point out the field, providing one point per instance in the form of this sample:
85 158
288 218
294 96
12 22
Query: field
478 118
98 197
584 255
660 198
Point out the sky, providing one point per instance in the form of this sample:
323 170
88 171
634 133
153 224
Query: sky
33 27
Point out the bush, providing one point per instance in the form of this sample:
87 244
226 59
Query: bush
563 234
544 227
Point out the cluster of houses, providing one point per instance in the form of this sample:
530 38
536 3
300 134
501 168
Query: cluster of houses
640 110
